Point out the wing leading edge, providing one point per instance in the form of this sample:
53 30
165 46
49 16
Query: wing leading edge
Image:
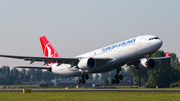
166 57
57 60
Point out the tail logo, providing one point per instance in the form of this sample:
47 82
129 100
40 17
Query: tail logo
48 51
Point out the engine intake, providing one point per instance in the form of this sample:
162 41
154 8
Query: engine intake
87 63
146 64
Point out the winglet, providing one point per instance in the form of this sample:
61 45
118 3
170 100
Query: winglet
167 54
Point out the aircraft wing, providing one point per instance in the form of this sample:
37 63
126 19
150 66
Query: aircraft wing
58 60
136 62
167 56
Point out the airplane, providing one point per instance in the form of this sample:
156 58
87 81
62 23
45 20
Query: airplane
135 51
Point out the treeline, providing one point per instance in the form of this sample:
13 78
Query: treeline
15 76
165 74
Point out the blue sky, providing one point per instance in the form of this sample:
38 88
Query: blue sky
78 26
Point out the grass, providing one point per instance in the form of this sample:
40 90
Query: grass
88 96
69 88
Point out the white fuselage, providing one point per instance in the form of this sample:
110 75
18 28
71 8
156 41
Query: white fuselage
120 53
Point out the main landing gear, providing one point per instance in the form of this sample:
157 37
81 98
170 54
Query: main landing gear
117 77
83 79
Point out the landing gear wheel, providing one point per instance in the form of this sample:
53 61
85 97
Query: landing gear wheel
116 77
120 77
79 81
117 81
86 77
113 81
83 81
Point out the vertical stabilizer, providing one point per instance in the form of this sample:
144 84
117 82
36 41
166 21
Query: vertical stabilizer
47 48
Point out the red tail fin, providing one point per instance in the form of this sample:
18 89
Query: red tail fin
47 48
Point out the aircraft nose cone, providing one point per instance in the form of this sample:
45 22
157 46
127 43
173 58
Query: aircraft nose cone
160 43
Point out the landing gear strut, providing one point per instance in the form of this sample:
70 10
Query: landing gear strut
117 77
83 79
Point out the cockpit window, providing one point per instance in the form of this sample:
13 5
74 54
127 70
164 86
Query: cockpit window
154 38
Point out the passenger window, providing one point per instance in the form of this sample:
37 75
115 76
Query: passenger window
150 39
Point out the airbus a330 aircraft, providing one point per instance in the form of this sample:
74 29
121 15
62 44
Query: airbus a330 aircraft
135 51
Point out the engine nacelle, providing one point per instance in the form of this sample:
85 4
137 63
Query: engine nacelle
146 64
87 63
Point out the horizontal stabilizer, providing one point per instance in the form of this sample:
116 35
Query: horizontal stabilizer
47 68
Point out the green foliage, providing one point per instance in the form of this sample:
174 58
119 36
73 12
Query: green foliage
14 76
174 61
5 69
47 76
166 72
38 74
138 74
150 84
23 75
172 85
161 74
108 76
126 74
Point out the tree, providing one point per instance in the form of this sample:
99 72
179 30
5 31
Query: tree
160 75
38 74
14 73
5 69
172 85
138 74
47 76
23 75
31 74
6 79
174 61
15 76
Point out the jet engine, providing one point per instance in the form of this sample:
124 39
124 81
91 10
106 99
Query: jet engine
146 64
87 63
